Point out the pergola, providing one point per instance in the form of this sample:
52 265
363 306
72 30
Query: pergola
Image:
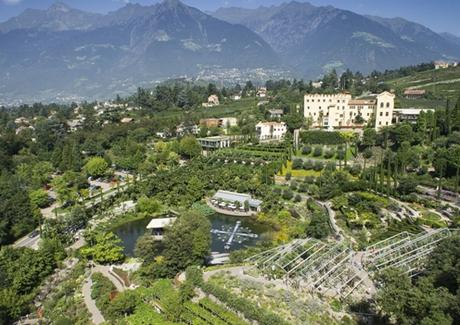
335 269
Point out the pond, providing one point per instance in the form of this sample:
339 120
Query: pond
224 225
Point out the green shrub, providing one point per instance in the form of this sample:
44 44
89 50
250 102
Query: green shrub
306 150
318 166
318 151
288 195
329 154
308 165
297 163
355 170
195 275
303 187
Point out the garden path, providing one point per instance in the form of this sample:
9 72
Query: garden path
96 315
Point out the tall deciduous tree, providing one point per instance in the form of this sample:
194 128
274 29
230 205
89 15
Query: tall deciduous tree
96 167
190 147
187 242
103 248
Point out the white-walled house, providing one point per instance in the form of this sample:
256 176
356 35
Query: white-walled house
213 100
262 92
342 111
271 130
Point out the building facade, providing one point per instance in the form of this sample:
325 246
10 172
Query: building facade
224 122
409 115
216 142
414 93
342 111
271 130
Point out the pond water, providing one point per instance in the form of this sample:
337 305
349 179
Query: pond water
130 232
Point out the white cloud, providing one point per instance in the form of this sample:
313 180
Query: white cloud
11 2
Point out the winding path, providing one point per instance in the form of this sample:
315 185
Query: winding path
96 315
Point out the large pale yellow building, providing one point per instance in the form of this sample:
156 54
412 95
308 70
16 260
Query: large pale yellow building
342 111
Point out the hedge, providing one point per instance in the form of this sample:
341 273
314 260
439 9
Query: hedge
321 137
245 306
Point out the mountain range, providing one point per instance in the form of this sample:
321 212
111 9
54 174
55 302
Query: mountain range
65 53
312 40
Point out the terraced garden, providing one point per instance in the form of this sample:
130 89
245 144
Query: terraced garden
368 217
293 306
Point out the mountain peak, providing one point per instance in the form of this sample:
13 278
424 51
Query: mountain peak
59 7
172 3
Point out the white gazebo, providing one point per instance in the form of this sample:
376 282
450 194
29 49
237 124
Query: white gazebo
156 226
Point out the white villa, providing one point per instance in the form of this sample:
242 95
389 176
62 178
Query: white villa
342 111
271 130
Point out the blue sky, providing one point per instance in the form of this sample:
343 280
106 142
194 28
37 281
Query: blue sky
439 15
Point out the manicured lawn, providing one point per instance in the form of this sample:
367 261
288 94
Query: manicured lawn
432 220
297 172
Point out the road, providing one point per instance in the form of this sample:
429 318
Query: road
26 241
47 213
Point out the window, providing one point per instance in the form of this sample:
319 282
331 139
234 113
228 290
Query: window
381 113
387 123
387 113
308 100
388 105
380 123
324 100
381 105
